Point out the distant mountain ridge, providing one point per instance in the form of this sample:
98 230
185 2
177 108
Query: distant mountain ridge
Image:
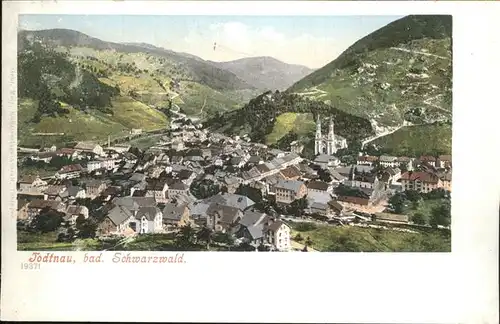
265 73
200 71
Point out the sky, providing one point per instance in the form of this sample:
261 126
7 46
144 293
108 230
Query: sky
312 41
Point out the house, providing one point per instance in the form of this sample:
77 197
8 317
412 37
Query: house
32 185
286 191
351 201
111 192
326 161
150 219
157 188
221 218
291 159
362 180
232 183
93 165
68 152
260 229
446 181
89 147
391 218
348 170
75 192
318 186
54 192
278 234
136 131
277 153
75 211
129 217
69 171
94 188
390 175
366 160
296 147
335 208
177 188
176 215
444 161
388 161
36 206
232 200
337 178
405 162
237 161
420 181
186 176
291 173
44 156
426 159
317 203
119 148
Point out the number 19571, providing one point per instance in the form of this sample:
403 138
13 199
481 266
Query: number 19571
30 266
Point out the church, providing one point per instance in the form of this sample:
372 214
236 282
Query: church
330 143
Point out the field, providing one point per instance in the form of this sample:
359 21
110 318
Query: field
329 238
417 140
78 125
300 123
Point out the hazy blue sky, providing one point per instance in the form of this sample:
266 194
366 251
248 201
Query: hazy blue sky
308 40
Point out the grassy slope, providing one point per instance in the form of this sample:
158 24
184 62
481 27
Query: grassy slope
417 140
355 239
299 123
78 125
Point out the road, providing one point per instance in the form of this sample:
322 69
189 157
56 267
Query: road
426 101
418 52
371 139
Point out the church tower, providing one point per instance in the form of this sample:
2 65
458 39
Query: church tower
318 141
330 142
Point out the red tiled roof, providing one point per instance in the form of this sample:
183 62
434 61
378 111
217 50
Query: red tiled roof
354 200
427 158
291 172
368 158
71 168
420 176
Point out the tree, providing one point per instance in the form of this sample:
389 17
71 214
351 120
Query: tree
397 202
48 221
413 195
299 237
324 175
253 193
308 241
80 221
419 218
441 215
205 234
298 206
186 237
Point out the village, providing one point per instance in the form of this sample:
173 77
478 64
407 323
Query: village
208 184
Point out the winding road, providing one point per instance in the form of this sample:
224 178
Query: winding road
418 52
